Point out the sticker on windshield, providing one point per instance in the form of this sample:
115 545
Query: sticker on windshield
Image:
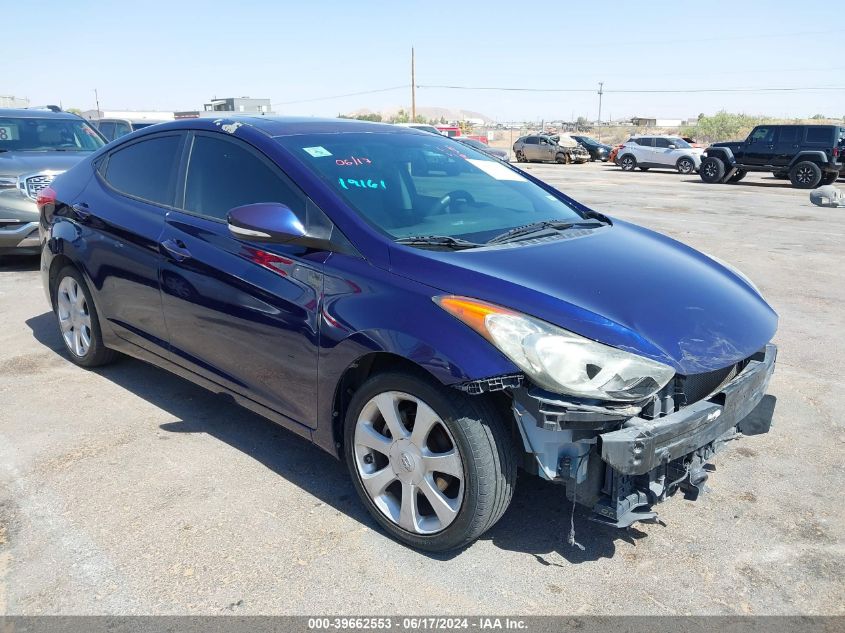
349 183
496 170
318 151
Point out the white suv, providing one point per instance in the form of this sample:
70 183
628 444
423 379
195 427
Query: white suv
659 151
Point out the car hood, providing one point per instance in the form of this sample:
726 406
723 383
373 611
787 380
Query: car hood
622 285
731 144
20 163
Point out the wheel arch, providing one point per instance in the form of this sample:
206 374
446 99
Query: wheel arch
817 157
722 153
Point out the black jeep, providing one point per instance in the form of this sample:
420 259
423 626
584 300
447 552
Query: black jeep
810 155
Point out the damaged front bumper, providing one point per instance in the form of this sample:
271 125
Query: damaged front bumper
620 462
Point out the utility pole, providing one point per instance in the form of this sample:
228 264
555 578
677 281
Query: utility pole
97 101
601 92
413 89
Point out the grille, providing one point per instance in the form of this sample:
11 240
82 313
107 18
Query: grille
698 386
34 184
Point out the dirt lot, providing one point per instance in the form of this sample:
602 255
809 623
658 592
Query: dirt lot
127 490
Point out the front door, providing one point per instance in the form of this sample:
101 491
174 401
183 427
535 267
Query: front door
760 147
241 314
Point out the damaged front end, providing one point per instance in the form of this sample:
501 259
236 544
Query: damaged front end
622 459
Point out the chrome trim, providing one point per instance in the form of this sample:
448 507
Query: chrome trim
26 189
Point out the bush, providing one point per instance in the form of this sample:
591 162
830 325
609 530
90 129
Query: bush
722 126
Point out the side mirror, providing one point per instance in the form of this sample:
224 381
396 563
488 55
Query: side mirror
265 222
276 223
673 146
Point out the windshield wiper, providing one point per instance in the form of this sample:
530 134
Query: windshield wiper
538 227
446 241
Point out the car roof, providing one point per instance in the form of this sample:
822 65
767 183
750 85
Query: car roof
27 113
287 126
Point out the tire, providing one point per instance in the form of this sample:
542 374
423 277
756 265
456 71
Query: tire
471 500
78 322
628 162
644 168
782 175
520 157
829 178
560 159
712 170
739 174
805 175
685 165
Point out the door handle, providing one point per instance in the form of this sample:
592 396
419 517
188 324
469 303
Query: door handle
81 212
175 249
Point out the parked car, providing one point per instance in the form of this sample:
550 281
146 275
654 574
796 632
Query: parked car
597 150
539 147
810 155
434 331
663 152
115 128
35 146
495 152
612 157
425 127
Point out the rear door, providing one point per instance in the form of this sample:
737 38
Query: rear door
760 146
643 149
243 315
787 143
124 206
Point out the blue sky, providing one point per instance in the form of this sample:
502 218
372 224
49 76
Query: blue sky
176 55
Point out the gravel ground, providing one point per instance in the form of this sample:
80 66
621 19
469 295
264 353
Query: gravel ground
129 491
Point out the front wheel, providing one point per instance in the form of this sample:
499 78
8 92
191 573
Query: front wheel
435 467
712 170
561 158
685 166
78 321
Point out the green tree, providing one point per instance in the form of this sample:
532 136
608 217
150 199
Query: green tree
722 126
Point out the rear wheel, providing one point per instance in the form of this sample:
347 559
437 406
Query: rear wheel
628 162
78 322
435 467
712 170
520 157
805 175
829 178
685 166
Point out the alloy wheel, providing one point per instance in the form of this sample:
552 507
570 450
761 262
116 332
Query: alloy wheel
74 317
408 463
685 166
627 163
804 175
710 170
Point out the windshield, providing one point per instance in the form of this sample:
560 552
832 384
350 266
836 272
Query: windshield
34 135
414 185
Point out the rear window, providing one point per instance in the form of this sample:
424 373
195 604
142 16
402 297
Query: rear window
818 135
47 135
146 169
646 142
532 140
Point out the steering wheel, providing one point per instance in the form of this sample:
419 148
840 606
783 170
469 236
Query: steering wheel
446 201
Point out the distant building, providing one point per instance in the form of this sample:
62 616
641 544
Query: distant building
233 105
8 101
639 121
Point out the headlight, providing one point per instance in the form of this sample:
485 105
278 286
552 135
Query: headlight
557 359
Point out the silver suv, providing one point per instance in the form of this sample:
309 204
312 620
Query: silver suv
35 147
666 152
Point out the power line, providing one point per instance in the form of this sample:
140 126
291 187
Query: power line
631 91
348 94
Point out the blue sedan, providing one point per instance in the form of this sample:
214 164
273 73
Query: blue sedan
432 316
